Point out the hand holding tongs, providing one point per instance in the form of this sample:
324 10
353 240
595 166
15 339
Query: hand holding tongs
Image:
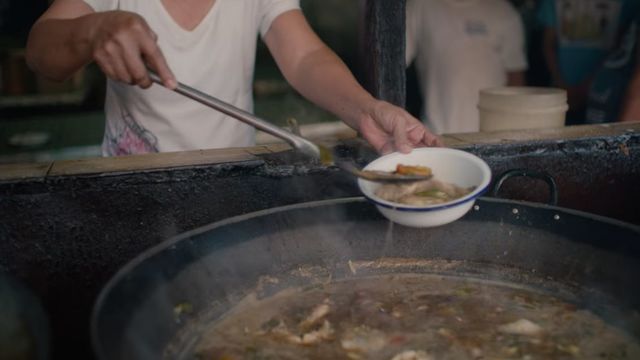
301 144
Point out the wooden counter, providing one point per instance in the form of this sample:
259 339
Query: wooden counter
163 161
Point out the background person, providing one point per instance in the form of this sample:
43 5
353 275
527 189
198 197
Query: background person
460 47
614 94
578 36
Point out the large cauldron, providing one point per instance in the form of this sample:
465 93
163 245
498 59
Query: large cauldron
589 260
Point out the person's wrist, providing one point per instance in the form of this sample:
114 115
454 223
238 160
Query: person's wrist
360 111
83 42
367 110
96 25
558 81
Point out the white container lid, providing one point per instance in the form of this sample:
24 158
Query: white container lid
523 98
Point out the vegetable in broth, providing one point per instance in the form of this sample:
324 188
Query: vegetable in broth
412 317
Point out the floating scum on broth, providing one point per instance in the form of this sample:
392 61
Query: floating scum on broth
412 317
327 285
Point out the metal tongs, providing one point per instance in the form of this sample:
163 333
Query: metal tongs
301 144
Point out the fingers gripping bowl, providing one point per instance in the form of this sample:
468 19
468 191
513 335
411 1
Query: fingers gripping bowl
448 166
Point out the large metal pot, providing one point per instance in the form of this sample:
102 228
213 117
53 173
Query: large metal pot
589 260
24 327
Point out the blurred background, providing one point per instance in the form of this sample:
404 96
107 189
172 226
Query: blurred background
41 120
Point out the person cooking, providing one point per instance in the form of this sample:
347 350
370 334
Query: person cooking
211 46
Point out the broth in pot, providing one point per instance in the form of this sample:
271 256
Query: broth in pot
412 316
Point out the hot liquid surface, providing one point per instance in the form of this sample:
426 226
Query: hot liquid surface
412 317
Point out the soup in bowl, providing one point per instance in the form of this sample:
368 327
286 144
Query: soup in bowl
458 178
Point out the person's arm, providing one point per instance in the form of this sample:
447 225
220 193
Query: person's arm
512 50
516 78
576 93
631 105
550 51
318 74
70 35
412 24
547 17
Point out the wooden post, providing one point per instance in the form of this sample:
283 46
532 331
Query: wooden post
383 49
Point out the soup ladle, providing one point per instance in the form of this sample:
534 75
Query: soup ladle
301 144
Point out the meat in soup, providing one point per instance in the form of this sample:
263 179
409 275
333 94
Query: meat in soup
420 193
413 317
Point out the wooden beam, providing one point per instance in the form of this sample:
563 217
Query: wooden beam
383 49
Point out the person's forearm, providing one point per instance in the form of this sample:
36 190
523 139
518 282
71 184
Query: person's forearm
316 72
515 78
551 57
57 48
324 79
631 106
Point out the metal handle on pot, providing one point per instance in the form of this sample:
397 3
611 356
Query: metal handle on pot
544 176
301 144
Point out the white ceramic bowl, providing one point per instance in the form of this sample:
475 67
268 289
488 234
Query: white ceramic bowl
449 165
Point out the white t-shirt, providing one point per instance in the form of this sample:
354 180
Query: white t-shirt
461 47
217 58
